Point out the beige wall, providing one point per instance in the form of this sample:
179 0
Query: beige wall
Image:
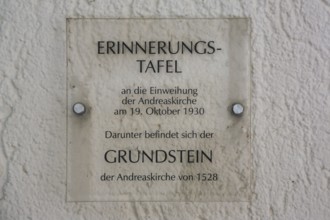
290 109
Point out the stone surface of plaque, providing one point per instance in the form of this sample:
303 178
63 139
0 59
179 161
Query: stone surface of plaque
158 110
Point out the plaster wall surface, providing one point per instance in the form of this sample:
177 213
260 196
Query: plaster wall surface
290 51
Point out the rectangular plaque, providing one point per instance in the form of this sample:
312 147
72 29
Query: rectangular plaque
151 112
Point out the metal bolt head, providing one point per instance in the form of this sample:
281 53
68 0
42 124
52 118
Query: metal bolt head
79 108
237 109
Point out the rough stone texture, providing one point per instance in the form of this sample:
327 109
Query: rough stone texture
290 109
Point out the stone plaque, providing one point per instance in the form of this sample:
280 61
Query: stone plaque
158 110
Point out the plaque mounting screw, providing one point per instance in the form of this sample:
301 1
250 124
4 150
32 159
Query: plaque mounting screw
79 108
237 109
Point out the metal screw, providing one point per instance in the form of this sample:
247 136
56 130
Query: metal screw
237 109
79 108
